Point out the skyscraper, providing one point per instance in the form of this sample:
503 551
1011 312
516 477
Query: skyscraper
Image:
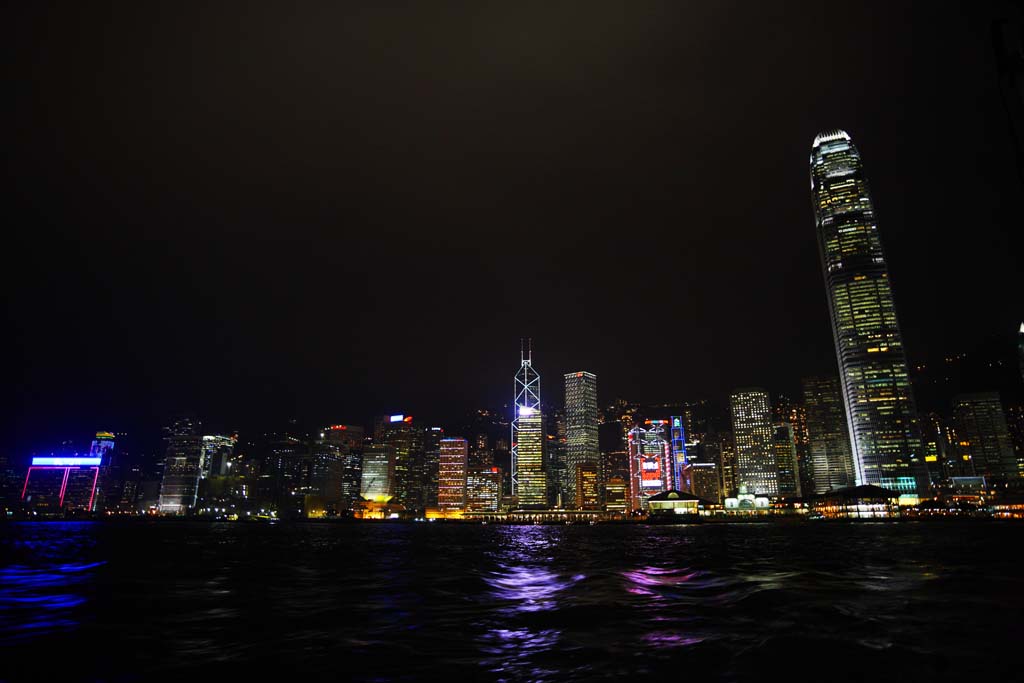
378 473
981 426
483 489
406 441
451 477
787 467
880 409
752 433
529 482
830 460
680 461
581 431
183 464
650 463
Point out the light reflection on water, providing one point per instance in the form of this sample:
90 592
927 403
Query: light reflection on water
39 600
381 603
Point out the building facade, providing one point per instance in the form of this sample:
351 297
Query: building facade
451 477
378 473
651 469
483 489
880 409
529 480
787 465
581 439
183 465
752 435
984 435
831 461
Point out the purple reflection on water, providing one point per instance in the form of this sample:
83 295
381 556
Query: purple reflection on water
530 589
665 639
648 580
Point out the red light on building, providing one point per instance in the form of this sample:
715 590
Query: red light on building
335 428
408 418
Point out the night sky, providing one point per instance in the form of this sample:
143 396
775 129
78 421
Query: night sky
258 212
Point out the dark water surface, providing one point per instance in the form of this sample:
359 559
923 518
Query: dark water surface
381 602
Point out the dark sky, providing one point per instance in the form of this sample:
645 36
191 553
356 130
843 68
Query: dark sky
259 211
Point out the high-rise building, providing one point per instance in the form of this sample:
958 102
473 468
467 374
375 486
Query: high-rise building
451 477
729 469
615 495
581 442
650 463
378 473
529 481
704 482
483 489
431 464
787 467
350 440
183 464
794 413
588 487
680 461
880 409
752 434
831 461
406 441
981 426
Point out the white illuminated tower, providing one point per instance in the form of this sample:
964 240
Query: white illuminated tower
529 482
873 373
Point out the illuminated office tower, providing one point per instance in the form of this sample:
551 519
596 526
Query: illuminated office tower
787 466
794 413
650 463
183 465
483 489
529 481
615 495
581 445
704 482
830 459
378 474
431 464
349 440
752 433
588 487
729 475
680 462
982 429
880 410
406 441
451 476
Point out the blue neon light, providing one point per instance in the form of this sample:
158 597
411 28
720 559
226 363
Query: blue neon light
397 418
66 462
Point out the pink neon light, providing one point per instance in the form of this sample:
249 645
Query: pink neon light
63 486
25 487
92 494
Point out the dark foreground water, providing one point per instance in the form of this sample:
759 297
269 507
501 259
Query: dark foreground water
380 602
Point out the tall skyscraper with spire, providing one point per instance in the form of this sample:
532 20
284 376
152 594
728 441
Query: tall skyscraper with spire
880 410
581 448
529 481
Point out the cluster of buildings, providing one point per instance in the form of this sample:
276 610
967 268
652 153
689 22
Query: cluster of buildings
853 444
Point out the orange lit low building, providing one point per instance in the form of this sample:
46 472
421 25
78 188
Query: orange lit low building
855 502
